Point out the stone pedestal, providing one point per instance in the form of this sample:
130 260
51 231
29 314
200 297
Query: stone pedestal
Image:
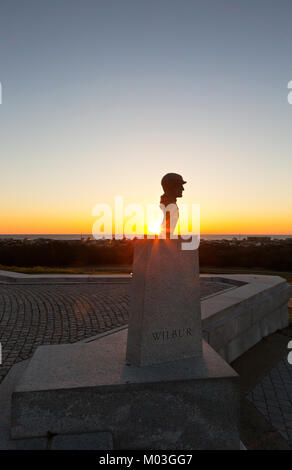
190 403
165 311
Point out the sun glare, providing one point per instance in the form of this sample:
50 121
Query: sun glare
155 227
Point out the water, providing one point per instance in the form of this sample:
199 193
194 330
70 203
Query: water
79 236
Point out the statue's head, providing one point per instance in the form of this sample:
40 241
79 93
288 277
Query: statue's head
172 184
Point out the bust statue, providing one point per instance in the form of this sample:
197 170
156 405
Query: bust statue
172 185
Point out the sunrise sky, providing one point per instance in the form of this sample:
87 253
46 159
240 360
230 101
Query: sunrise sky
102 98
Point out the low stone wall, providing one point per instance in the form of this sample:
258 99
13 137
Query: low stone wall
237 319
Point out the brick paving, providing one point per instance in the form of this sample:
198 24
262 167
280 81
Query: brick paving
35 314
31 315
273 398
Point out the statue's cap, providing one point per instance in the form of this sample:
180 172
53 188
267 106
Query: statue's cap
173 177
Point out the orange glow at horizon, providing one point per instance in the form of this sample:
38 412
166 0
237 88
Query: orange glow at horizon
77 220
81 223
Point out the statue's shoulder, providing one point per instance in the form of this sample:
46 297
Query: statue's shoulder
164 200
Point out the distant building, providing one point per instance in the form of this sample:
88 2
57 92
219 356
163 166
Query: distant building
259 239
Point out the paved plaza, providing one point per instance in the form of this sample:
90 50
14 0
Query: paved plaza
31 315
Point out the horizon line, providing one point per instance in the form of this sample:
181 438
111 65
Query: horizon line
201 234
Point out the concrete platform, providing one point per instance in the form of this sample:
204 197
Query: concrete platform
84 441
188 404
6 390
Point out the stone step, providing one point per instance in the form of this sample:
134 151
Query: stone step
83 441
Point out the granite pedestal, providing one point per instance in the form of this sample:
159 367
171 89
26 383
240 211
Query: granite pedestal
165 308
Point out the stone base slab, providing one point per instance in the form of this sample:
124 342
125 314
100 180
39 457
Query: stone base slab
187 404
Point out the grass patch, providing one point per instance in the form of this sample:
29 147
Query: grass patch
51 270
128 269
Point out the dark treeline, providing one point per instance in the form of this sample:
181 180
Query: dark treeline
63 253
78 254
274 257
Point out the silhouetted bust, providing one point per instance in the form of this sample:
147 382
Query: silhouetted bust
172 185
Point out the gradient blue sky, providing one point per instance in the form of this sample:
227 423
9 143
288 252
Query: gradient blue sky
103 97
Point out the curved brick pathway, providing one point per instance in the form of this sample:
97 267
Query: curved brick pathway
35 314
